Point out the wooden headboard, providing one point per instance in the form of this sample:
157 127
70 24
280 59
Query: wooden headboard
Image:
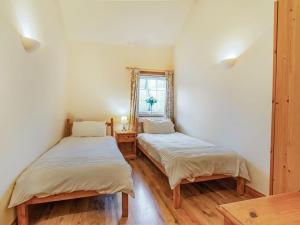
69 125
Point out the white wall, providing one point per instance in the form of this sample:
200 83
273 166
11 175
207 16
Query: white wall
32 89
230 108
99 84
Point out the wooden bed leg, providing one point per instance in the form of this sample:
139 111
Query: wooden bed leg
124 204
22 213
240 185
176 197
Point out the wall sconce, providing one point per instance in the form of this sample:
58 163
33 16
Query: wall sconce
228 63
30 44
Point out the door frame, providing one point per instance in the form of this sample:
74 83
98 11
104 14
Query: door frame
276 8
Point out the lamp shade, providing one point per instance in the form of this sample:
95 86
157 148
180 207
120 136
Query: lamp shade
30 44
124 119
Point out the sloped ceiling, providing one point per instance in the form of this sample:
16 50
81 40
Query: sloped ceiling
133 23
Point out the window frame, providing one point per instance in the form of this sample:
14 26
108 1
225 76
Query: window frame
150 75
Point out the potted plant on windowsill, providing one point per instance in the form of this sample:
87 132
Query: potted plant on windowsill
151 101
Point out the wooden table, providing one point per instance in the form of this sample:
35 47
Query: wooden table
282 209
127 143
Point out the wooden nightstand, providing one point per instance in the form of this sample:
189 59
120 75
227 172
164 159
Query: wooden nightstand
127 143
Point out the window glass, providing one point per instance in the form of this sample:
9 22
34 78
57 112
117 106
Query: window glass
152 96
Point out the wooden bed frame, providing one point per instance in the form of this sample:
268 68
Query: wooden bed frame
22 209
176 190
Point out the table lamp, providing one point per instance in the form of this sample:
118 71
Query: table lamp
124 121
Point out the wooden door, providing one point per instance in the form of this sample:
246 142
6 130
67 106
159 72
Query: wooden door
285 154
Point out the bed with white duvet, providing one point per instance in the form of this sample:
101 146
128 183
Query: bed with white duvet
184 157
85 163
75 164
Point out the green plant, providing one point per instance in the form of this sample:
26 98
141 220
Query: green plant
151 101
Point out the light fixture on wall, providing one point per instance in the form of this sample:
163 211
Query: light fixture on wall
30 44
228 63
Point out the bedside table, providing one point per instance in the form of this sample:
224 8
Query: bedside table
126 141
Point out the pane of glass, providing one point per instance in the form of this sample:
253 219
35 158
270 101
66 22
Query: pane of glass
162 106
161 95
143 107
152 84
161 84
152 93
156 108
142 83
143 95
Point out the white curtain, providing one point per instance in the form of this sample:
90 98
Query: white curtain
134 83
170 94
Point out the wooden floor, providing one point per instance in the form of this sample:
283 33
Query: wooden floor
152 204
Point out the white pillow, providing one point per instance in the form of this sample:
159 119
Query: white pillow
88 129
158 126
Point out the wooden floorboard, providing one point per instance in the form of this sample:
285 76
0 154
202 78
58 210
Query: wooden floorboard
152 204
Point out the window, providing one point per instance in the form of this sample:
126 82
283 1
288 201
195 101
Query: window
152 96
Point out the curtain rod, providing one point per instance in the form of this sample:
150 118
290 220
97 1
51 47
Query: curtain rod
147 70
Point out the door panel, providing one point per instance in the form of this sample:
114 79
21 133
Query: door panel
286 122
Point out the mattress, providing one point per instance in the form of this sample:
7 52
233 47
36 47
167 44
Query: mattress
185 157
75 164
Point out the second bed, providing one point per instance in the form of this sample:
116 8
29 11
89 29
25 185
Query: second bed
184 159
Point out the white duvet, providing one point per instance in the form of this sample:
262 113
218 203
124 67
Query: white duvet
184 157
75 164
